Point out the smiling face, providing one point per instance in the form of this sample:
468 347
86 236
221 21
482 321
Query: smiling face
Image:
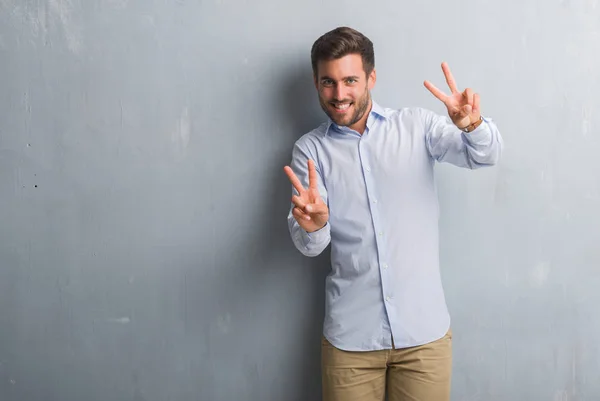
344 90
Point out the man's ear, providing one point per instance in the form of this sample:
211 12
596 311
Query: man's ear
315 81
372 79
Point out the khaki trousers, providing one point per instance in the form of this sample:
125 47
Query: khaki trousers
420 373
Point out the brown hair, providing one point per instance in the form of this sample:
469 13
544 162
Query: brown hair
341 42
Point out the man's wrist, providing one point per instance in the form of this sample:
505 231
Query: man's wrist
318 229
471 127
319 235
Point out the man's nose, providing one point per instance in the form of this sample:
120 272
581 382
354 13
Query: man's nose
340 92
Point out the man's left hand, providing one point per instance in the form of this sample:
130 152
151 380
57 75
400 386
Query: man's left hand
463 107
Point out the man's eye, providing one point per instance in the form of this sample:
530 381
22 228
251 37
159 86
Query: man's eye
327 82
351 80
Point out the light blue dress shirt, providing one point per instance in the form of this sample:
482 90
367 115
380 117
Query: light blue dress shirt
383 222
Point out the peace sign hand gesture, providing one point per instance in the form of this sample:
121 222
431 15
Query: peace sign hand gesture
463 107
310 211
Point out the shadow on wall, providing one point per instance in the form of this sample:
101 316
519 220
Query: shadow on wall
272 297
299 100
277 285
298 104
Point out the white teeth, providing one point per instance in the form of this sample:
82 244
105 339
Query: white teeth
342 106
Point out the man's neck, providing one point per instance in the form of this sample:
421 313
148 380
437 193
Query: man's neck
361 125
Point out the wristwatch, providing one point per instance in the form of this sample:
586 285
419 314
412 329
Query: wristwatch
472 126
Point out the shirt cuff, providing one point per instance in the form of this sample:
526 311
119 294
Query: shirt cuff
480 135
320 235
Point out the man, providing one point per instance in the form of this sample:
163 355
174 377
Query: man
364 183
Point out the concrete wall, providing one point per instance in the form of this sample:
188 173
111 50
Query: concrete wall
144 253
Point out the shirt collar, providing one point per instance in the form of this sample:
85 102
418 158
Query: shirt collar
376 111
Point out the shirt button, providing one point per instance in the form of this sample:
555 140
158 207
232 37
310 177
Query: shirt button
385 266
368 169
374 200
380 234
387 299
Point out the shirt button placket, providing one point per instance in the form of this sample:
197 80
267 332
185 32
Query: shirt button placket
367 169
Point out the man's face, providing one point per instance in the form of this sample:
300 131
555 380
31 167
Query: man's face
344 89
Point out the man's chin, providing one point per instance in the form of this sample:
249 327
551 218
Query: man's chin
342 122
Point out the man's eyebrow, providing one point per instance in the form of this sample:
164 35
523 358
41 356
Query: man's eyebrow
355 77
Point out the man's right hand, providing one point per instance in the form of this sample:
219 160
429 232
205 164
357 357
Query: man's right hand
310 211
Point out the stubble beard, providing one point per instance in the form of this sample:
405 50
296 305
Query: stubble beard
360 108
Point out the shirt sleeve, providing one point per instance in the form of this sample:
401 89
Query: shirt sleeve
447 143
309 244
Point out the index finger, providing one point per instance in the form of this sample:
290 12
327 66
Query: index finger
435 91
294 180
449 77
312 175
